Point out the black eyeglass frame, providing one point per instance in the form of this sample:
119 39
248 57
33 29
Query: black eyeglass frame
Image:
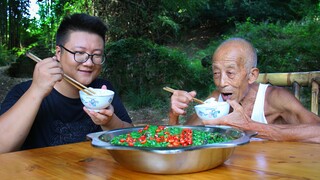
90 56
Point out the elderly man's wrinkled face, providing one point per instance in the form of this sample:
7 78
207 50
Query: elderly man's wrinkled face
229 73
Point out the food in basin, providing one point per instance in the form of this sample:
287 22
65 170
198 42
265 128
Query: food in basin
212 109
168 149
161 136
101 99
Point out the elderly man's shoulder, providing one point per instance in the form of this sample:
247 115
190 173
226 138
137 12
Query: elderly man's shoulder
276 94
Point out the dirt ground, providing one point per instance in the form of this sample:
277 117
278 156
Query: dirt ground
7 82
139 117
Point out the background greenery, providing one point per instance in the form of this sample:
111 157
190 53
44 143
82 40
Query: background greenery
157 43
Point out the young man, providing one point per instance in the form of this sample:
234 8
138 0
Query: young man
47 111
271 111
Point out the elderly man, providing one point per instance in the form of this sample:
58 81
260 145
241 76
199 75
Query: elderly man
271 111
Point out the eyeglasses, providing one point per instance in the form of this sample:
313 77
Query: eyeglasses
82 57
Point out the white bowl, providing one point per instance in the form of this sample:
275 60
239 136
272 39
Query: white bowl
100 100
210 111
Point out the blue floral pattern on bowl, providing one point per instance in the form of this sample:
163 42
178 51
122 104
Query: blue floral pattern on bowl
101 100
92 102
209 113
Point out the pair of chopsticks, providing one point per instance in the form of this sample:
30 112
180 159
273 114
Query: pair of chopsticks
70 80
171 90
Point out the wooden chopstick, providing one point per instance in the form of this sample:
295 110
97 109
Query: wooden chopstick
78 85
171 90
70 80
85 90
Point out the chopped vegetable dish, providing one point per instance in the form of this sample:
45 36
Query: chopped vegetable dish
161 136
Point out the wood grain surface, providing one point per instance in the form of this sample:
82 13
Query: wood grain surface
256 160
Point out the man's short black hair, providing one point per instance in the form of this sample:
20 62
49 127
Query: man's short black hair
80 22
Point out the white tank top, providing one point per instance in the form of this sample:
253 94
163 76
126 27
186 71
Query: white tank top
258 107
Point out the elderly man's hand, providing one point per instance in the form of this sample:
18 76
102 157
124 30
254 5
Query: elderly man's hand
179 102
237 118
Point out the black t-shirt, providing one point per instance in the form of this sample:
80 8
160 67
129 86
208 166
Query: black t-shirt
60 120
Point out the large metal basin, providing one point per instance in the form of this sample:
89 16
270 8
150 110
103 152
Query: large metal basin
172 160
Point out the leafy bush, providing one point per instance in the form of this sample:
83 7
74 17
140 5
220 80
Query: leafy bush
159 21
284 48
140 69
280 47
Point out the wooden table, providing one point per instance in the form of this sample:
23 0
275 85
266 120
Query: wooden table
256 160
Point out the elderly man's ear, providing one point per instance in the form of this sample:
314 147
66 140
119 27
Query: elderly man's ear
253 76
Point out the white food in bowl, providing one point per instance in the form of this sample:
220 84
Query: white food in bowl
101 99
212 109
211 100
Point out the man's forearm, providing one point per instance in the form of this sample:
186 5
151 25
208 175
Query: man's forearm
173 118
299 132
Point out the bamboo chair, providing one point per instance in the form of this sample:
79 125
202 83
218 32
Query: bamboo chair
296 80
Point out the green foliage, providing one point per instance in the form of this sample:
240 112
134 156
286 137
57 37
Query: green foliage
164 21
280 47
159 21
222 15
185 8
42 31
139 68
143 98
284 48
13 22
169 22
6 57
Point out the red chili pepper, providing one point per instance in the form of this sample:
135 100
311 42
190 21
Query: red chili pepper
129 139
182 139
176 144
170 140
146 127
143 141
